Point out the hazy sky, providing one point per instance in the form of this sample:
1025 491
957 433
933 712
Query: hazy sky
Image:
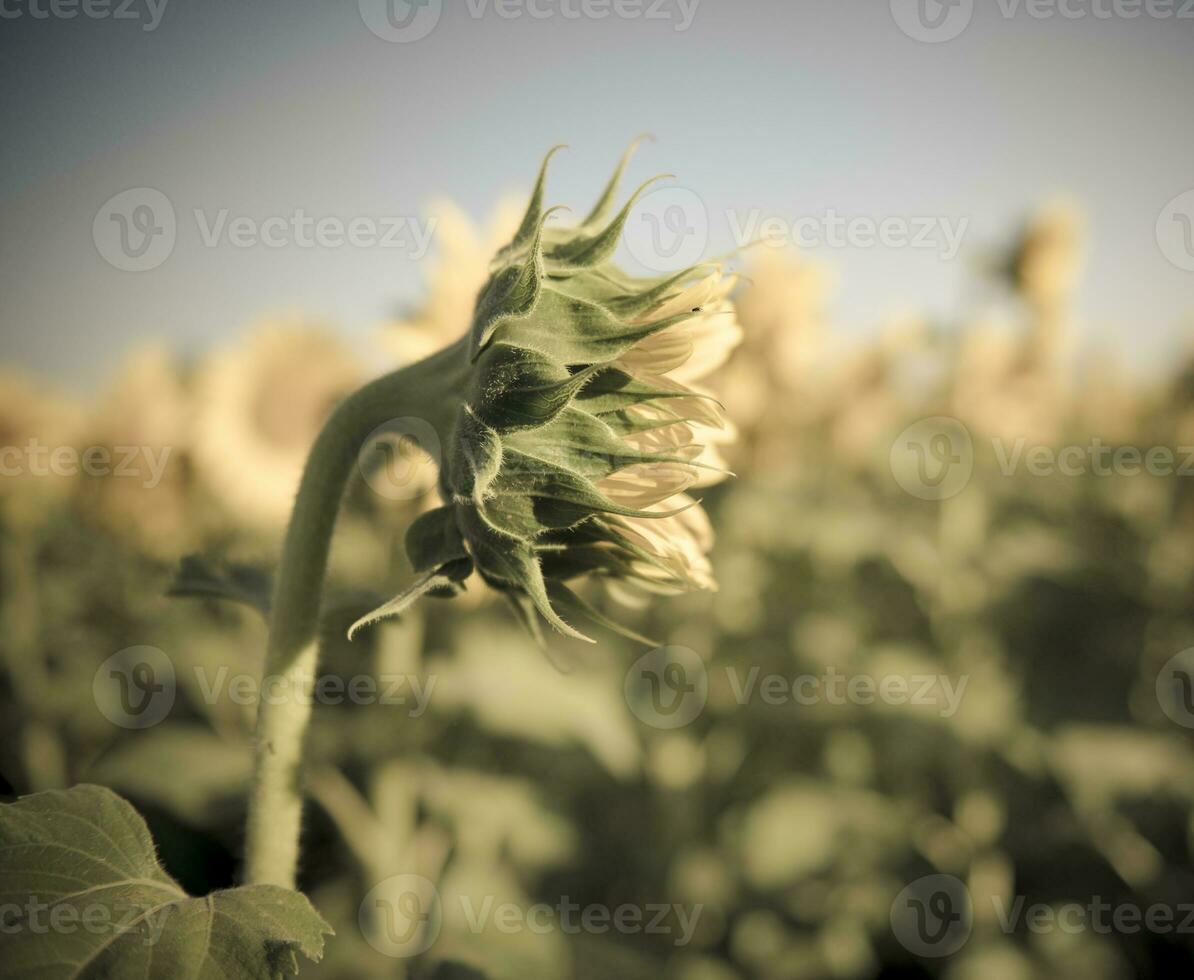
797 111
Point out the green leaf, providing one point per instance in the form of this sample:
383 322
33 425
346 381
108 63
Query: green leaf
517 388
82 895
532 221
605 203
434 539
198 578
572 330
432 582
506 562
578 442
184 768
563 596
582 251
510 293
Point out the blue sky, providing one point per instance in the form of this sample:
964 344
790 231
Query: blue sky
763 109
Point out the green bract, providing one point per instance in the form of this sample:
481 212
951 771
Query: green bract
570 436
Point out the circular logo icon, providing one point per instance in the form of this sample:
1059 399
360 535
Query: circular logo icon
668 229
134 231
400 459
134 688
1175 231
933 916
401 21
932 21
668 687
1175 688
933 459
401 916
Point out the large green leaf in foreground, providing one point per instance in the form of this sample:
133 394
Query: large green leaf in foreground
82 895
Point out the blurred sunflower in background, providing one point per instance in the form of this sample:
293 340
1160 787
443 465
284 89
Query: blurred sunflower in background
259 406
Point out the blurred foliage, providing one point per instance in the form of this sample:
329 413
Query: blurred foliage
793 827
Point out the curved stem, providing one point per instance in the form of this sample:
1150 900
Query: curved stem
275 801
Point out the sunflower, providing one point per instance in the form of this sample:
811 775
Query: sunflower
579 427
37 426
259 407
143 420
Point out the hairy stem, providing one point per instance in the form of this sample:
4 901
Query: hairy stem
422 391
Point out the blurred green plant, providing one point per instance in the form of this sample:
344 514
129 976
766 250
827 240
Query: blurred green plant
1057 779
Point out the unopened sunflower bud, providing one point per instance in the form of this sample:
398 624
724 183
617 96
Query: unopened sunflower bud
578 431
